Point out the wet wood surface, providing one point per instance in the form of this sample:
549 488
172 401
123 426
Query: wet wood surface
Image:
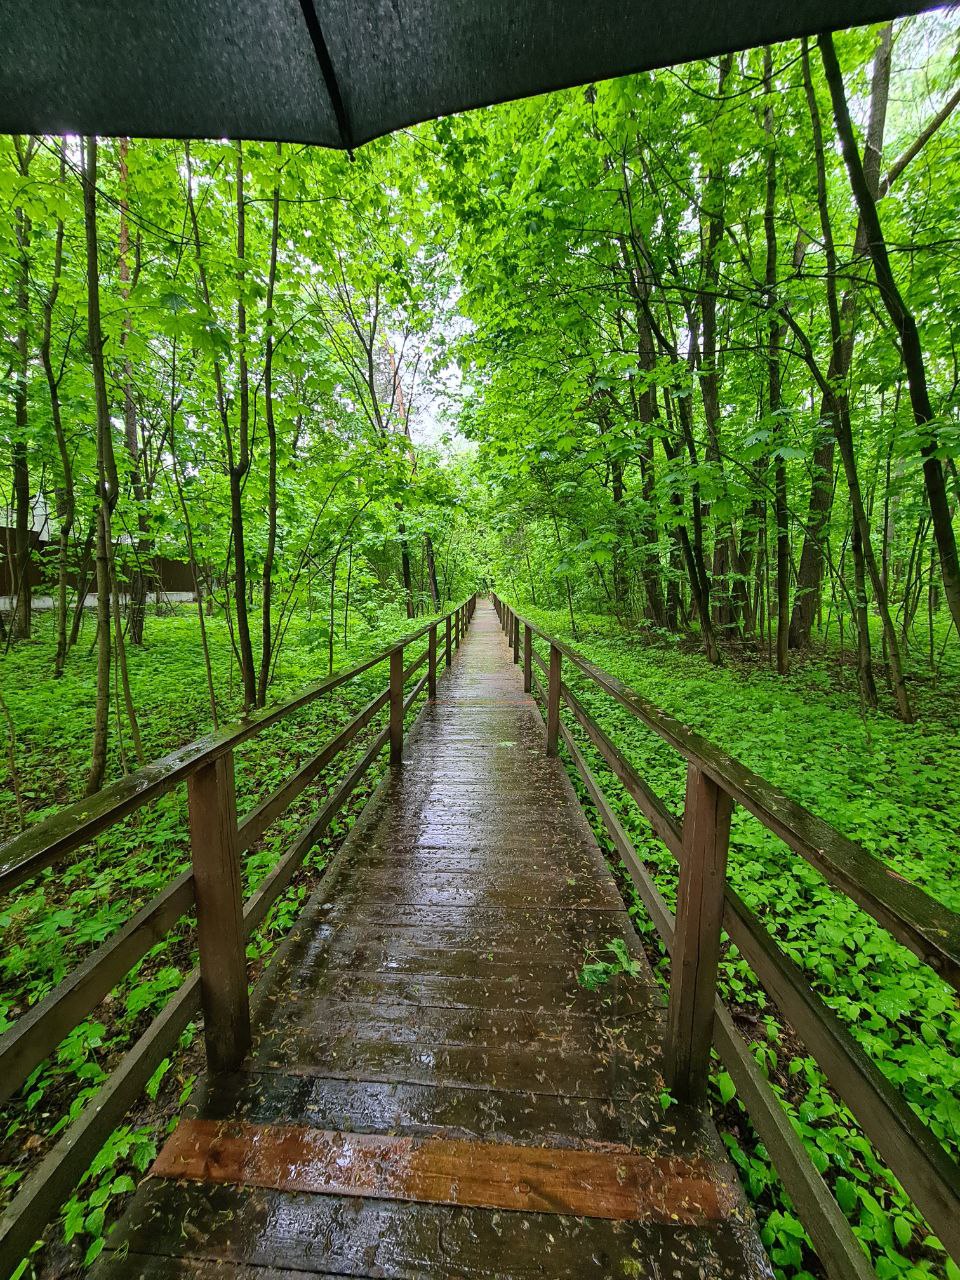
431 1091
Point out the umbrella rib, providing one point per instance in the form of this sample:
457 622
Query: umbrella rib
329 75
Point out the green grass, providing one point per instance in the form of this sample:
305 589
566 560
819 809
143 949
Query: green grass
892 787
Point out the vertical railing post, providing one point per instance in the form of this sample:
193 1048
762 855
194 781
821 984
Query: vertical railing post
448 640
396 705
432 663
527 658
696 939
516 639
221 937
553 702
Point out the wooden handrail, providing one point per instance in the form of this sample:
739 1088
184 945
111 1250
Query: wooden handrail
74 825
913 1152
224 922
928 928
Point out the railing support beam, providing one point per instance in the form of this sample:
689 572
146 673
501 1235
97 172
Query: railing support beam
527 658
396 705
432 663
219 895
553 701
696 944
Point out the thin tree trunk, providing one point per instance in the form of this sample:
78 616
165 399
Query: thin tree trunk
191 549
774 323
106 474
810 572
432 572
861 546
266 652
238 458
121 657
137 585
20 622
906 328
66 500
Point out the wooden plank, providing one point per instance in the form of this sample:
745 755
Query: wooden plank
219 897
696 938
424 1111
927 927
122 1265
33 1037
364 1236
616 1184
549 1064
644 883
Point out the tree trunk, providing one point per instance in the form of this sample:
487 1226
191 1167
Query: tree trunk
66 500
862 548
432 572
137 583
906 327
106 474
266 651
810 573
774 324
23 512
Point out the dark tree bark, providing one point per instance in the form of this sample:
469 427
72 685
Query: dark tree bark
137 584
837 402
266 652
66 500
811 567
106 474
774 324
23 508
906 328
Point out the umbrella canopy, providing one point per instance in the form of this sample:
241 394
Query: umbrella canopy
340 72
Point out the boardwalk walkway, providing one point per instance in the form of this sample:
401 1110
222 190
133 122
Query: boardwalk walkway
431 1092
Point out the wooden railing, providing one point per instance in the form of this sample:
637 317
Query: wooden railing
212 887
707 904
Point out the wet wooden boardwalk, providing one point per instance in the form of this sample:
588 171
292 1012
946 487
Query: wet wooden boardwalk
431 1092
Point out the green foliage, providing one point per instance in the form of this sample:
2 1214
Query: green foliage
597 973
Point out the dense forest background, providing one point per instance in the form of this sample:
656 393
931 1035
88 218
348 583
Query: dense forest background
671 362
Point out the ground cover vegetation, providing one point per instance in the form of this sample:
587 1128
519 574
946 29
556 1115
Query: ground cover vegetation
694 336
